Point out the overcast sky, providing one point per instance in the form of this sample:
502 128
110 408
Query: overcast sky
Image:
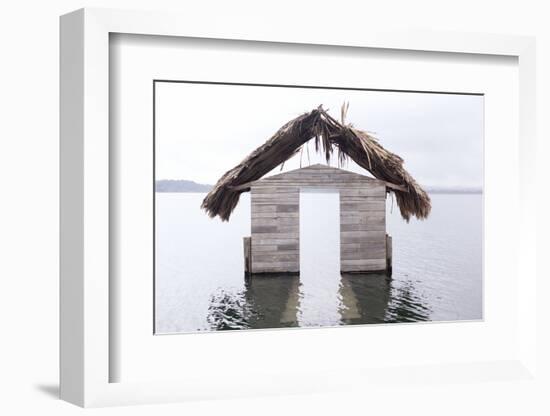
204 130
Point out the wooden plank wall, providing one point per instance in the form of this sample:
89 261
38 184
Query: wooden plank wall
276 224
275 229
362 229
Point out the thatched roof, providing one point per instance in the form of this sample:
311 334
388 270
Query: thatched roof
329 135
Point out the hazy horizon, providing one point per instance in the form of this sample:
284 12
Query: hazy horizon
479 187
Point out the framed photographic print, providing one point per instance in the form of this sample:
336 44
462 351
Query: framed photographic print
302 232
227 198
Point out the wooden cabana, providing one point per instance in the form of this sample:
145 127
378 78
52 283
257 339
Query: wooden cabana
329 136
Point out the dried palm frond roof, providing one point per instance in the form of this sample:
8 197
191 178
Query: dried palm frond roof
329 135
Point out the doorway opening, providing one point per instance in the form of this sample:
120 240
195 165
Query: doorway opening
319 255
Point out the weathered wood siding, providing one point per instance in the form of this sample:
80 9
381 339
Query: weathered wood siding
275 228
363 228
275 212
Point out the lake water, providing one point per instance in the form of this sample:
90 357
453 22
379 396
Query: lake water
200 282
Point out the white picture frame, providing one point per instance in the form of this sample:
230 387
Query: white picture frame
85 223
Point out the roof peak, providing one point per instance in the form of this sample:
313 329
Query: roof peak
322 167
317 166
331 137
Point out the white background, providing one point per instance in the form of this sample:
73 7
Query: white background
312 351
29 208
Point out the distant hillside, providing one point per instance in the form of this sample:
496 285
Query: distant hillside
181 185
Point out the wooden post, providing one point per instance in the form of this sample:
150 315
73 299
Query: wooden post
247 245
389 255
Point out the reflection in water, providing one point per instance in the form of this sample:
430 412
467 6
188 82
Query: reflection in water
228 311
375 298
275 299
407 305
266 302
276 302
364 298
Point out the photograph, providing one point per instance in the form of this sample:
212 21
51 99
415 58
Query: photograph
256 208
290 206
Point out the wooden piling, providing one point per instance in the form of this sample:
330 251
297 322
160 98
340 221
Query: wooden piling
247 254
389 255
